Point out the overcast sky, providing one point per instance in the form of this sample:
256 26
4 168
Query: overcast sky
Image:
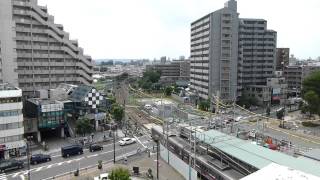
154 28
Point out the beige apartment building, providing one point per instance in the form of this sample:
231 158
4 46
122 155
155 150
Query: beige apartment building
36 52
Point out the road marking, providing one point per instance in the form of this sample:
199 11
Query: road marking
94 155
69 161
140 142
3 176
38 169
26 172
49 166
22 177
15 174
56 156
60 163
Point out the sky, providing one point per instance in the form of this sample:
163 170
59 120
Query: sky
135 29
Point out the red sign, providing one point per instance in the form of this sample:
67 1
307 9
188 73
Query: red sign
2 147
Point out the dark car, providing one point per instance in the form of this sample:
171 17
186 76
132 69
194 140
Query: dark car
95 147
71 150
7 165
39 158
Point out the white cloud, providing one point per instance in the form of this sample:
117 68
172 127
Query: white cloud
152 28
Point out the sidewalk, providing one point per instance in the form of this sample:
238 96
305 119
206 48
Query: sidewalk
166 172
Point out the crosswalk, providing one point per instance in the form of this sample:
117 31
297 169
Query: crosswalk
3 176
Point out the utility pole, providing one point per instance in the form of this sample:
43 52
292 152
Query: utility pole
114 144
28 155
190 135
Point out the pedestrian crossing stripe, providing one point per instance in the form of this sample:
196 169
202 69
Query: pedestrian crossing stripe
3 176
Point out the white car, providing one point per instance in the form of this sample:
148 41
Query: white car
126 141
103 176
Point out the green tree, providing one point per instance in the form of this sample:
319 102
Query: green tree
168 91
84 126
204 105
247 101
312 102
311 93
119 174
117 112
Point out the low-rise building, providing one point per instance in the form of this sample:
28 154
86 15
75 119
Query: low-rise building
12 143
49 115
296 74
171 71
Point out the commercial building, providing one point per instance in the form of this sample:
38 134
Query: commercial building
282 58
48 114
171 71
229 53
12 143
295 75
36 52
58 113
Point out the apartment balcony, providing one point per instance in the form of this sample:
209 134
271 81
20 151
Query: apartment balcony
20 4
11 119
12 132
11 106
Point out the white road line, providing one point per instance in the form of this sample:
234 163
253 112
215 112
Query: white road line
140 142
3 176
22 177
15 174
38 169
78 159
60 163
49 166
69 161
26 172
56 156
93 155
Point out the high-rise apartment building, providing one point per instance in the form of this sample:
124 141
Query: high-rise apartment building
229 53
214 53
257 52
36 52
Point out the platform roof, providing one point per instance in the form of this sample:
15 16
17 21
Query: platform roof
255 155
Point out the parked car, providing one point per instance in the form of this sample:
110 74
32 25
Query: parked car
12 164
103 176
71 150
126 141
95 147
39 158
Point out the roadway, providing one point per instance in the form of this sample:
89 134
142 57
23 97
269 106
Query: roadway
60 165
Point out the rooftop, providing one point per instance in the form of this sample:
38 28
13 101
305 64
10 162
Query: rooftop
39 101
7 86
256 155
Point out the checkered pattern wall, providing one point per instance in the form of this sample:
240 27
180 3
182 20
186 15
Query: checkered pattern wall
93 98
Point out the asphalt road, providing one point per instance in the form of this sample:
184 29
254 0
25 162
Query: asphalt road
60 165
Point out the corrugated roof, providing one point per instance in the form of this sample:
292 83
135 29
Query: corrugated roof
256 155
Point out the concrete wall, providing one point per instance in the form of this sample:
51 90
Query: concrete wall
177 164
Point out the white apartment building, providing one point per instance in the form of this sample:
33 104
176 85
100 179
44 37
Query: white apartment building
12 143
229 53
36 52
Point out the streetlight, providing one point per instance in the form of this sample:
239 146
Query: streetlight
28 155
114 127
